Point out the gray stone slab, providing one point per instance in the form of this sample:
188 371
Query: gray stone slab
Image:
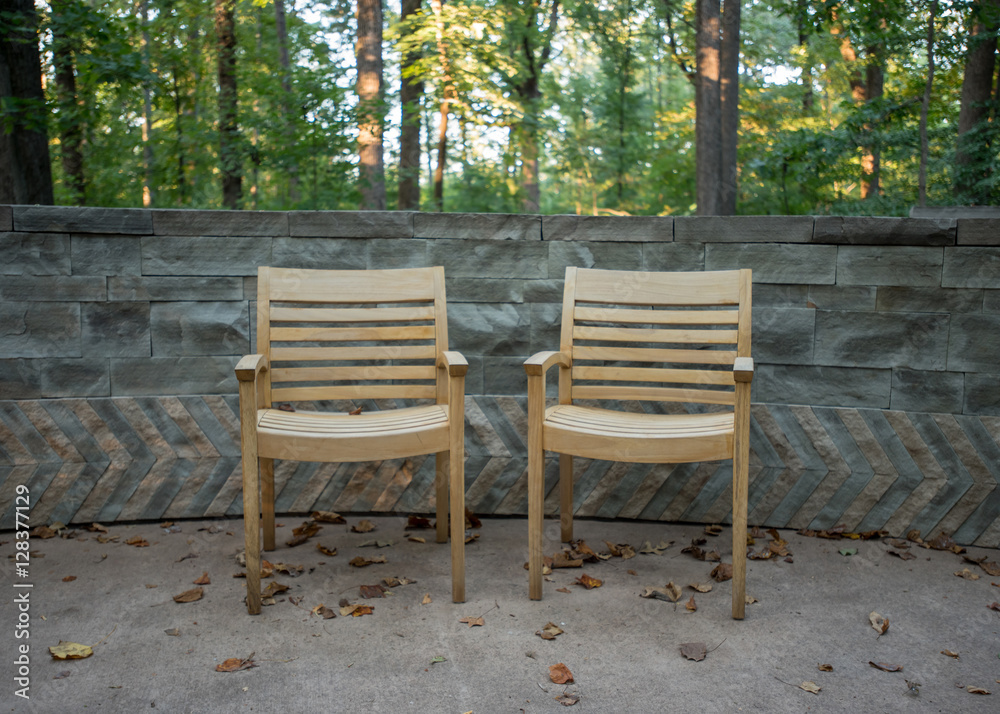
477 226
889 265
877 230
769 295
955 212
6 218
129 288
923 391
673 256
39 329
401 253
249 287
491 259
52 288
823 386
777 262
474 377
173 376
902 299
184 222
200 328
974 343
743 229
840 297
979 231
83 219
636 229
606 256
116 329
351 224
320 253
35 254
186 255
496 290
864 339
546 321
106 255
550 290
54 378
982 394
20 378
783 335
505 376
484 329
971 268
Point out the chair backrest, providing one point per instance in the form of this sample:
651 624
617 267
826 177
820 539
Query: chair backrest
351 334
667 337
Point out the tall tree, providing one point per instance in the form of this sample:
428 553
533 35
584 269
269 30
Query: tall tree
925 105
66 17
729 99
147 109
230 158
448 97
370 111
410 91
708 108
971 156
25 173
287 101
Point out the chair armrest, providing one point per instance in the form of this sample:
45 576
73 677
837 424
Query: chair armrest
539 363
743 369
454 363
250 366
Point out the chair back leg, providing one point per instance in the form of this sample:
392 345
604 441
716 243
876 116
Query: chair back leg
441 487
566 497
267 501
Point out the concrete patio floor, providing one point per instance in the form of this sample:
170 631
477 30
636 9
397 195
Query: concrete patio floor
623 650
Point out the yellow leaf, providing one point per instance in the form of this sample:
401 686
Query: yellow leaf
427 599
810 687
70 650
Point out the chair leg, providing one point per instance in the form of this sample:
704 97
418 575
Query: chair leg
536 510
267 500
251 523
457 469
566 497
441 496
741 458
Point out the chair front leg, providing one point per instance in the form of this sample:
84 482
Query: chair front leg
741 488
457 469
251 521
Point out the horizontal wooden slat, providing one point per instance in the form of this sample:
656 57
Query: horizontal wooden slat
306 354
364 423
648 354
657 317
652 394
640 288
351 334
626 334
651 374
351 286
333 374
354 391
352 314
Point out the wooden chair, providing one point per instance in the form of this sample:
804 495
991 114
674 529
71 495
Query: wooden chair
351 334
690 331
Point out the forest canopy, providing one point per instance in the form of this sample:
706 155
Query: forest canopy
537 106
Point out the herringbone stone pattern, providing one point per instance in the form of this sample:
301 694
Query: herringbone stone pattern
150 458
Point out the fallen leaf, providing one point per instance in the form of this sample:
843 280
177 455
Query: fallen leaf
43 532
904 555
173 632
427 600
417 539
356 610
879 624
913 687
137 541
376 544
438 659
942 542
631 572
897 543
324 612
473 621
560 674
886 667
355 412
967 574
990 568
564 560
562 590
97 528
303 533
650 549
694 651
848 551
589 582
235 664
949 653
471 521
994 606
396 582
567 699
69 578
722 572
372 591
713 530
292 571
762 554
810 687
359 562
976 690
417 523
549 632
364 526
691 605
825 667
107 539
273 588
325 550
702 588
204 579
70 650
190 595
750 600
327 517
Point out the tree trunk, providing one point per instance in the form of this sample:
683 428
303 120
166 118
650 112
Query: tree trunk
708 118
448 94
70 115
25 172
925 106
147 111
229 152
807 88
287 102
871 158
410 92
977 84
729 53
369 61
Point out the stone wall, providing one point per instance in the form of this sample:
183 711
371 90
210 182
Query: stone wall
145 308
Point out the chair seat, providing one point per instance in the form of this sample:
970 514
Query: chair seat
316 436
611 435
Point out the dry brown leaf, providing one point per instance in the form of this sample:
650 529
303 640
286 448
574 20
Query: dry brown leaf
879 624
303 533
327 517
886 667
750 600
292 571
713 530
902 555
976 690
567 699
967 574
700 587
235 664
70 650
359 562
204 579
273 588
326 550
631 572
949 653
191 595
396 582
560 674
137 541
549 632
417 523
563 560
427 600
355 412
356 610
372 591
364 526
69 578
994 606
722 572
825 667
473 621
324 612
691 605
810 687
589 582
694 651
562 590
990 568
417 539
